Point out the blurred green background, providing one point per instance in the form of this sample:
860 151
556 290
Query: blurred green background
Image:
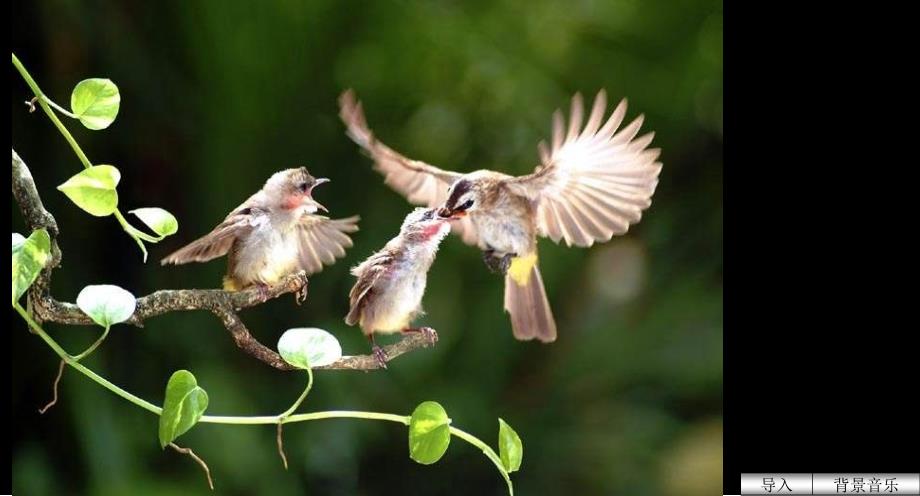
217 96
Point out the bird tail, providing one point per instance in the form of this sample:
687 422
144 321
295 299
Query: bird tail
525 301
230 284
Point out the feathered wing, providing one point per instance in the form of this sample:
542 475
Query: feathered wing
421 183
593 182
322 240
219 241
367 273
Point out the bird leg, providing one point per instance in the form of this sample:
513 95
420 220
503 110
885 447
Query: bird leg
379 354
430 334
301 295
496 263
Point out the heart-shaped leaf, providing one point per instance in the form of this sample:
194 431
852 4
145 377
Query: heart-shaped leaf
18 241
106 304
29 258
510 448
95 102
158 220
307 347
429 433
93 189
185 403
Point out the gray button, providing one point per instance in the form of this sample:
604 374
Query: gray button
881 484
776 483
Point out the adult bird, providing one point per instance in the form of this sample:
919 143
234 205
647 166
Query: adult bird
592 183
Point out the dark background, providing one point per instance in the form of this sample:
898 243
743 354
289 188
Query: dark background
216 97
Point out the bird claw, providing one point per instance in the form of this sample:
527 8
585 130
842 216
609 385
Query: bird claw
380 356
496 264
431 336
264 292
301 295
505 264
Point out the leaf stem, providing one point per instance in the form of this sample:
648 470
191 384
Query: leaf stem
488 451
146 405
93 346
302 397
285 418
59 108
43 102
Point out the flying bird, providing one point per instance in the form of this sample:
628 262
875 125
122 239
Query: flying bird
274 233
387 296
591 184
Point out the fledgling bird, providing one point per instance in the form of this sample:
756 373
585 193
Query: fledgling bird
274 233
387 296
591 184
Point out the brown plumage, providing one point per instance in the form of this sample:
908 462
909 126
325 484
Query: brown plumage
272 234
387 295
592 183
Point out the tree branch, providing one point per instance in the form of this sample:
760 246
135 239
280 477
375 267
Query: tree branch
223 304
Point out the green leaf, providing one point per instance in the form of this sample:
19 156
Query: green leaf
93 189
106 304
95 102
184 404
18 241
429 433
510 449
29 258
158 220
307 347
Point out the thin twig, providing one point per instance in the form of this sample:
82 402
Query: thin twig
189 452
223 304
57 380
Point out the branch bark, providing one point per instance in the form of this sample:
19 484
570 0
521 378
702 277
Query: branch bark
223 304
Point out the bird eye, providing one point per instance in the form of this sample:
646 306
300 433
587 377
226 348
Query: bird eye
302 187
467 204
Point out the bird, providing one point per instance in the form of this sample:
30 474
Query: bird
387 295
274 233
592 183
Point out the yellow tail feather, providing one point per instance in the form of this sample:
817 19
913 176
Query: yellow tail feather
520 268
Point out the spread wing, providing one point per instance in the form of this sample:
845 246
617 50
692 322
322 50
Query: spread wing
219 241
368 273
593 182
421 183
323 240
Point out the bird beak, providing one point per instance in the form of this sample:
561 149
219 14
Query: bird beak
317 182
320 206
446 213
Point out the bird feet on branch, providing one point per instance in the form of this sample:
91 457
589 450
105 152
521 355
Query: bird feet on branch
380 356
430 335
265 292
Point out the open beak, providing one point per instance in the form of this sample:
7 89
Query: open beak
317 182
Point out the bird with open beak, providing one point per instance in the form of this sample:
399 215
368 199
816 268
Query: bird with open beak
274 233
592 183
387 296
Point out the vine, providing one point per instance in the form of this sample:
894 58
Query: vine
95 103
